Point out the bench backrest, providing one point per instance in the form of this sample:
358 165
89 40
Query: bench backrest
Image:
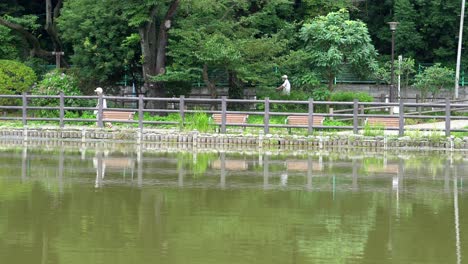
304 120
231 118
384 121
118 115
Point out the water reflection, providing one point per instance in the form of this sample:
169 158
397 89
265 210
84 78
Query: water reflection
102 161
223 207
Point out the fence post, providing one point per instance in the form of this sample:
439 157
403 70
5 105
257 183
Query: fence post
331 113
266 116
401 119
100 100
24 109
362 112
62 110
182 109
140 112
311 116
447 117
418 101
355 116
223 114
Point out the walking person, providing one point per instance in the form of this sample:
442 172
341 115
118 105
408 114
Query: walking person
99 91
285 88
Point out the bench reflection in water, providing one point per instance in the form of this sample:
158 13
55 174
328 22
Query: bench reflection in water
102 162
234 165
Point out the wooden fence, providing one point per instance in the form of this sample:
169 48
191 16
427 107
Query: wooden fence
356 114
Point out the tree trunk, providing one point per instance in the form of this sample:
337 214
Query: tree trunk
51 28
210 85
153 47
235 91
148 50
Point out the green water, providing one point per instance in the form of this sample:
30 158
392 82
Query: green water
126 206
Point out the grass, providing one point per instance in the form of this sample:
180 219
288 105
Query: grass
199 121
373 130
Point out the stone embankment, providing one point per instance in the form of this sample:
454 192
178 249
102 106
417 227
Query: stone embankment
237 140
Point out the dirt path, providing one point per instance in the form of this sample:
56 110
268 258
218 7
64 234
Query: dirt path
456 124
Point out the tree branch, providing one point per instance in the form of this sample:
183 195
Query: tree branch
57 9
30 38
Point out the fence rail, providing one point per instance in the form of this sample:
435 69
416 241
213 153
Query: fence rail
356 112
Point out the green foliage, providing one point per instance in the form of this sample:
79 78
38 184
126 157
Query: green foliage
53 83
102 40
334 40
373 130
313 8
414 134
406 70
15 78
329 122
434 79
8 42
350 96
199 121
435 136
409 40
237 41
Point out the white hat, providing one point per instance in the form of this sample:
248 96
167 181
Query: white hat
284 76
98 90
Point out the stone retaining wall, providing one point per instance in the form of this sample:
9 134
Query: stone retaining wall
235 140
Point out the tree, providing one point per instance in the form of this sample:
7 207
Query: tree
334 40
426 30
234 41
103 43
36 50
408 39
434 79
153 20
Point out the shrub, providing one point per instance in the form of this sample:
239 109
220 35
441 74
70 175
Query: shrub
199 121
15 78
317 94
350 96
53 83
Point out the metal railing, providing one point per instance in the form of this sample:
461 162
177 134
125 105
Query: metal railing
358 111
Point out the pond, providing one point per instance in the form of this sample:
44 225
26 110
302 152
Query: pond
129 205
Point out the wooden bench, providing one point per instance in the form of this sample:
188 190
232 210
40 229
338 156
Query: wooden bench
108 116
304 121
231 119
117 115
391 121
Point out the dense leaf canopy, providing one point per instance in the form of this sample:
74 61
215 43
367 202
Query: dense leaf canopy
226 42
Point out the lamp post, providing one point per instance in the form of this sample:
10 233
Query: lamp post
393 26
460 35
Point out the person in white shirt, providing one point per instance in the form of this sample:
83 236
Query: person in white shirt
285 88
99 91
